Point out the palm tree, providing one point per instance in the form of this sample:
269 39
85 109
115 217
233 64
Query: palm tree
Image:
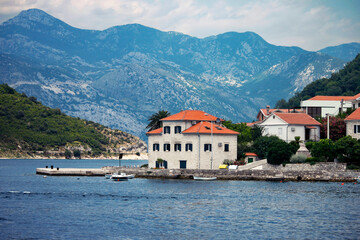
154 120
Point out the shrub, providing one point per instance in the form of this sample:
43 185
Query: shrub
228 162
68 154
298 158
279 152
77 153
324 148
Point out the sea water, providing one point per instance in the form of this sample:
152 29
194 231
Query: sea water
34 207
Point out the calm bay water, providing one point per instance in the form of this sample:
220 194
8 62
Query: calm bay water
33 207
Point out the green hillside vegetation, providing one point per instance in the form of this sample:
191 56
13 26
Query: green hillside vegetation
346 82
28 128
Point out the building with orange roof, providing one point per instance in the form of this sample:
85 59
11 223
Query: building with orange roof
265 112
353 124
287 126
191 139
319 106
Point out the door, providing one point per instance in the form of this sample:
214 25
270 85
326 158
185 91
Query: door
182 163
250 160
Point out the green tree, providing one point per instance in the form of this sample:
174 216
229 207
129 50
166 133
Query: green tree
324 148
262 144
77 153
68 154
279 152
154 120
348 150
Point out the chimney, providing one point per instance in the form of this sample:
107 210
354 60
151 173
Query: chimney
267 109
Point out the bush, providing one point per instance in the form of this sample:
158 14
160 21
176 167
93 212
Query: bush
228 162
279 152
298 158
77 153
68 154
324 148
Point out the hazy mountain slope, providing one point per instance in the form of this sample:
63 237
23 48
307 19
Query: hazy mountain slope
346 52
121 75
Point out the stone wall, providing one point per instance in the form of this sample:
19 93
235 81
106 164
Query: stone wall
292 172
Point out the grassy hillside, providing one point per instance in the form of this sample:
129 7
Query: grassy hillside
346 82
27 128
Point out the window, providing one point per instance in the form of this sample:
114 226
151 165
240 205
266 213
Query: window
226 147
188 147
207 147
182 163
279 132
356 128
314 111
166 147
177 147
178 129
156 147
167 130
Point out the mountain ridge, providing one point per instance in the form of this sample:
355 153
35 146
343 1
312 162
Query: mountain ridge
121 75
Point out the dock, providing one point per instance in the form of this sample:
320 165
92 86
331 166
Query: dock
321 172
71 171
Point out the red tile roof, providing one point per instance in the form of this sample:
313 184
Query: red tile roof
156 131
297 118
191 115
333 98
252 123
205 127
354 116
251 154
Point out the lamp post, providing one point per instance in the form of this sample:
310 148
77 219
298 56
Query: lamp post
328 126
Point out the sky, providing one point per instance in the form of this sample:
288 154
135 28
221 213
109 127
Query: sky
309 24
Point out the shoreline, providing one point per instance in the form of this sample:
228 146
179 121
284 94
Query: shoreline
275 175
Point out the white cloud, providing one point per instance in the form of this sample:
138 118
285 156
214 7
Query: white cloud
282 22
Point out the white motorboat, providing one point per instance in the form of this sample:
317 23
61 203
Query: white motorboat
122 177
204 178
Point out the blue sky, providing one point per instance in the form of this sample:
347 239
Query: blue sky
309 24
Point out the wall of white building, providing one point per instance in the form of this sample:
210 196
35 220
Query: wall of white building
327 107
350 128
197 158
287 132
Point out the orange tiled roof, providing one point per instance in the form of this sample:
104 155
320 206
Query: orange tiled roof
191 115
205 127
333 98
354 116
252 123
251 154
297 118
156 131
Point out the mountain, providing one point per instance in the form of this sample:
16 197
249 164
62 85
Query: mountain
346 82
346 52
30 129
122 75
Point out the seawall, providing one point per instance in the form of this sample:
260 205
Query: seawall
291 172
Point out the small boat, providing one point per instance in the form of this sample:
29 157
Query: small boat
122 177
108 176
358 179
204 178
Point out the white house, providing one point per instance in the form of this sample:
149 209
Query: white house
353 124
191 139
287 126
319 106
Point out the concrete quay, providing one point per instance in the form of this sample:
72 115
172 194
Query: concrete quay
71 171
291 172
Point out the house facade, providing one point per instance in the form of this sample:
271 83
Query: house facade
287 126
191 139
319 106
353 124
